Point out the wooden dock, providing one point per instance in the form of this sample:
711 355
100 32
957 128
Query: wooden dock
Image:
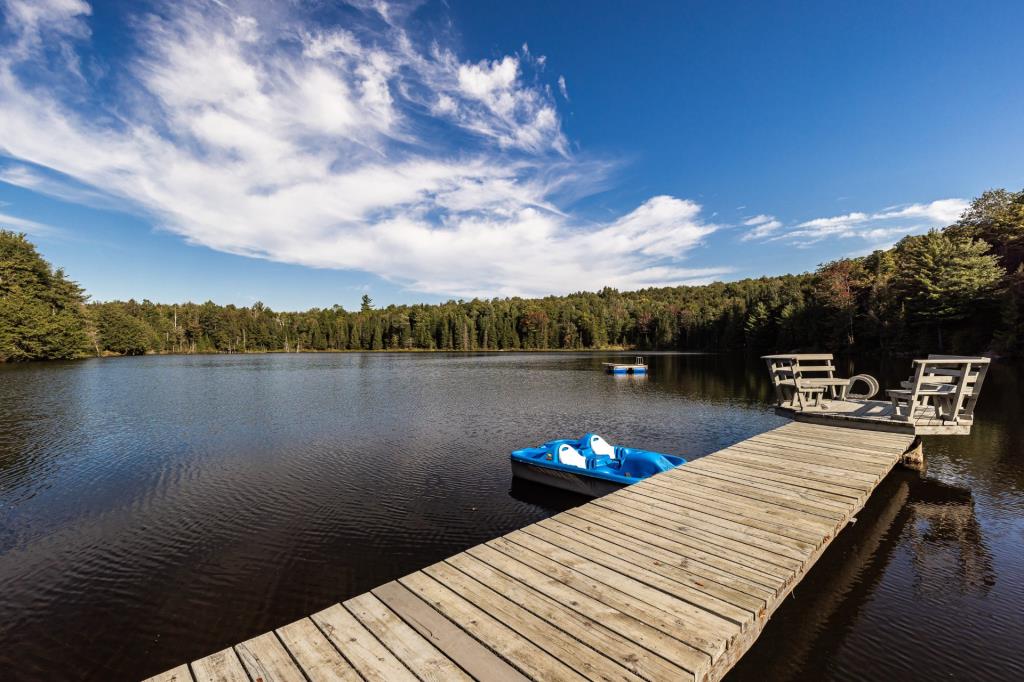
877 415
672 578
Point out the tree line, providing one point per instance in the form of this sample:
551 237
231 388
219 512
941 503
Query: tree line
960 289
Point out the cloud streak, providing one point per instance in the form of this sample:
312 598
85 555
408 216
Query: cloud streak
878 227
882 225
762 226
348 146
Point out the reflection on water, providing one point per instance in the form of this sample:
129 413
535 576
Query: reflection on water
917 534
156 509
947 542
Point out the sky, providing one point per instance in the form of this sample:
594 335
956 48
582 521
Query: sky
305 153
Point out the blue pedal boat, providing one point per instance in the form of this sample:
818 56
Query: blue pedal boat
589 466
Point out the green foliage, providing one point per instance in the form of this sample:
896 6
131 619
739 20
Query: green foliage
943 277
119 332
997 217
1009 339
41 313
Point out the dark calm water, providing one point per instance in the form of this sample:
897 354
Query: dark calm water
154 510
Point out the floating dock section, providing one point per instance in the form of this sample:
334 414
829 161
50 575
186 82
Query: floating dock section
638 366
672 578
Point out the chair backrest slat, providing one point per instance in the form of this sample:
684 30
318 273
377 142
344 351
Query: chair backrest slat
965 375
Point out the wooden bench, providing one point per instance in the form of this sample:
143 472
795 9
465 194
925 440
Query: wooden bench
803 379
951 384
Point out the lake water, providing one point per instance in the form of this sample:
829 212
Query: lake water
156 509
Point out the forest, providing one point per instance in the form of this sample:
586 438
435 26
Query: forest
959 289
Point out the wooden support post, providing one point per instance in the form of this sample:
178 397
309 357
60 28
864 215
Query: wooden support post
913 458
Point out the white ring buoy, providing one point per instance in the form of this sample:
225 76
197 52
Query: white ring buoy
871 383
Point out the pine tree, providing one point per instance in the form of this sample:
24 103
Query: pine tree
1009 338
41 314
997 217
942 277
118 332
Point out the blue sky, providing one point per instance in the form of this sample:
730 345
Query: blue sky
305 153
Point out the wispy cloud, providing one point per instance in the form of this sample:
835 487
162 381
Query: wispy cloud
762 226
880 228
12 222
355 145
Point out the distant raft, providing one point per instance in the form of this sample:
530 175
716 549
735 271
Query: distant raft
589 466
638 366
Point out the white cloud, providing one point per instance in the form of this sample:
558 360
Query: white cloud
881 228
277 139
763 226
16 224
562 88
29 20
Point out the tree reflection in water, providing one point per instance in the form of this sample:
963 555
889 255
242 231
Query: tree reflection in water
934 519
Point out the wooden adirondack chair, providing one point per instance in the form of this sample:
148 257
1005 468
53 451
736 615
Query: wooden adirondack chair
802 379
950 383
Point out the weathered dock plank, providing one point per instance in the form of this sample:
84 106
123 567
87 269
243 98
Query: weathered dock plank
315 654
671 578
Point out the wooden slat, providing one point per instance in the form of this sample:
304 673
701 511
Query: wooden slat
722 524
710 632
716 591
791 481
828 431
468 653
564 647
222 666
737 454
818 463
859 438
499 638
744 552
681 658
367 655
793 523
690 648
692 552
406 644
846 451
315 654
265 658
623 651
651 547
854 461
862 471
774 495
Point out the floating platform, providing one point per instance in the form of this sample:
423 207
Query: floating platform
636 367
672 578
877 415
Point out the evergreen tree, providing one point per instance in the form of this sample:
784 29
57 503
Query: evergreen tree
942 277
118 332
41 314
997 217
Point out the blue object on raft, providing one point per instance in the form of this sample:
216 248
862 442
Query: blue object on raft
589 465
638 366
624 369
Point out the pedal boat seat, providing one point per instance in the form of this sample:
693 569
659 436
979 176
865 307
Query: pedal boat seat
570 456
